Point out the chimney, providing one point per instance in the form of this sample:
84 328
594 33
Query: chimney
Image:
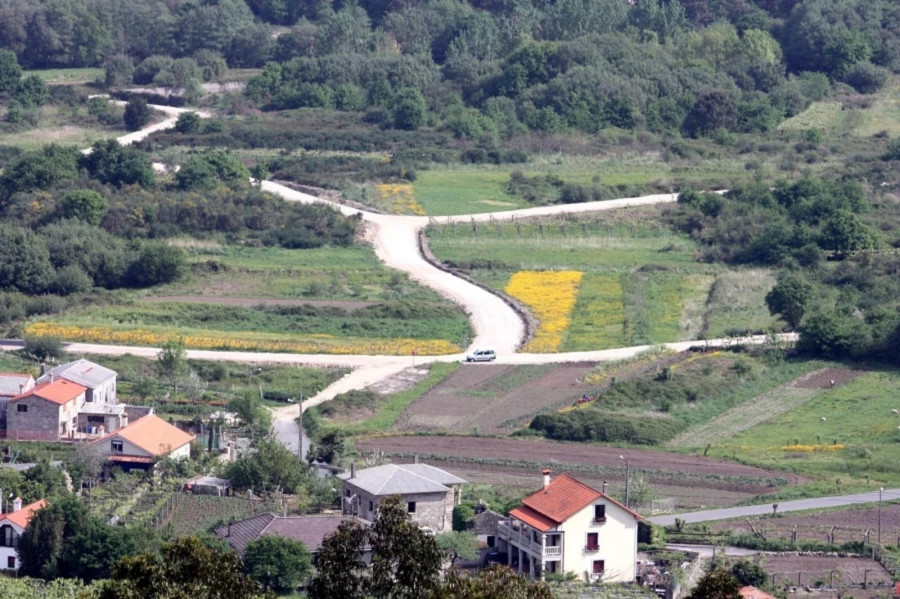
43 368
546 474
605 484
229 530
21 388
416 459
352 469
17 504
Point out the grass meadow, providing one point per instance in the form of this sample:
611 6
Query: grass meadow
641 282
845 433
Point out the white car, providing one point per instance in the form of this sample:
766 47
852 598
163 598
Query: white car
481 355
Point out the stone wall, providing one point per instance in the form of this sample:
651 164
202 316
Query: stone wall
434 510
40 422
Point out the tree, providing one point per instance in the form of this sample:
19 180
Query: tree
844 233
260 171
249 408
462 513
24 261
184 569
340 569
405 561
457 545
205 170
156 264
498 582
278 563
714 109
85 205
171 362
789 298
10 71
137 113
31 92
118 70
114 164
188 122
718 584
409 109
272 466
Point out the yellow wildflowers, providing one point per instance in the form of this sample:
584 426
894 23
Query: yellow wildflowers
551 296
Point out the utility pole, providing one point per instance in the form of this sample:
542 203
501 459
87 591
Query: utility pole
627 485
880 491
300 425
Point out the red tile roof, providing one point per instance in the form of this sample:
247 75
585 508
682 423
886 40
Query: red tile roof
59 391
533 519
563 498
24 515
152 434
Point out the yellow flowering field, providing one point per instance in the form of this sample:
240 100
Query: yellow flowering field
813 447
597 322
245 341
399 197
551 296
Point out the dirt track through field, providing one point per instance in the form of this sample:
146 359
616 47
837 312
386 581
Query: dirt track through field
780 400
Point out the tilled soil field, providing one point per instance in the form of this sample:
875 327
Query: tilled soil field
515 455
823 379
803 570
845 525
494 399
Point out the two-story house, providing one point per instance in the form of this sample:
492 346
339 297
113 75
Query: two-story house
139 444
429 493
12 525
48 412
12 384
568 526
100 411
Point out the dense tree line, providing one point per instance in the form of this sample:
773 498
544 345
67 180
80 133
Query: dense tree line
837 288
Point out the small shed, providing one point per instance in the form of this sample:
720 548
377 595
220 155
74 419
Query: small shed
208 485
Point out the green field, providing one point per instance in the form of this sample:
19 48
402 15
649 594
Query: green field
642 283
883 115
856 415
57 124
67 76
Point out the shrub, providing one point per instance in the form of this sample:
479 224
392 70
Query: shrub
137 113
157 264
43 347
867 78
462 514
71 279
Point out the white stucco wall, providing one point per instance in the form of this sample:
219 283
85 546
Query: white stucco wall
131 449
7 552
105 392
617 543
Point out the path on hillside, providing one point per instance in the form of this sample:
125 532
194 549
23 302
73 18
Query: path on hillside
796 505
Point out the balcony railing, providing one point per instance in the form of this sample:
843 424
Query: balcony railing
591 548
599 520
523 539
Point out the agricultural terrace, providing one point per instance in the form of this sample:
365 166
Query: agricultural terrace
639 281
337 300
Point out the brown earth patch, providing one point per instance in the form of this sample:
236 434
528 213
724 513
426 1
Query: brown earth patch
822 379
494 399
848 525
254 301
659 467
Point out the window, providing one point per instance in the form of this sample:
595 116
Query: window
599 513
411 507
371 506
347 492
11 562
21 408
7 537
117 447
491 541
599 566
593 541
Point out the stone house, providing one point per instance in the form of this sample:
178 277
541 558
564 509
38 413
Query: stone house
429 493
568 526
12 525
12 384
139 444
48 412
100 412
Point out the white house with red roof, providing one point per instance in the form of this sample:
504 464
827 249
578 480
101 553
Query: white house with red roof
568 526
140 443
12 525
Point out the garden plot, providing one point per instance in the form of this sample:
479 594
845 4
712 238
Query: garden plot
838 526
494 399
812 571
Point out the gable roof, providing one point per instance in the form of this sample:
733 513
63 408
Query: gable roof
562 499
400 479
84 372
24 515
59 391
11 383
152 434
309 530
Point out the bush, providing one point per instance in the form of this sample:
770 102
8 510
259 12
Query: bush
137 113
44 347
867 78
157 264
462 514
188 122
593 425
71 279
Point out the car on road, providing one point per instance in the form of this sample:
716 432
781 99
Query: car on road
481 355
